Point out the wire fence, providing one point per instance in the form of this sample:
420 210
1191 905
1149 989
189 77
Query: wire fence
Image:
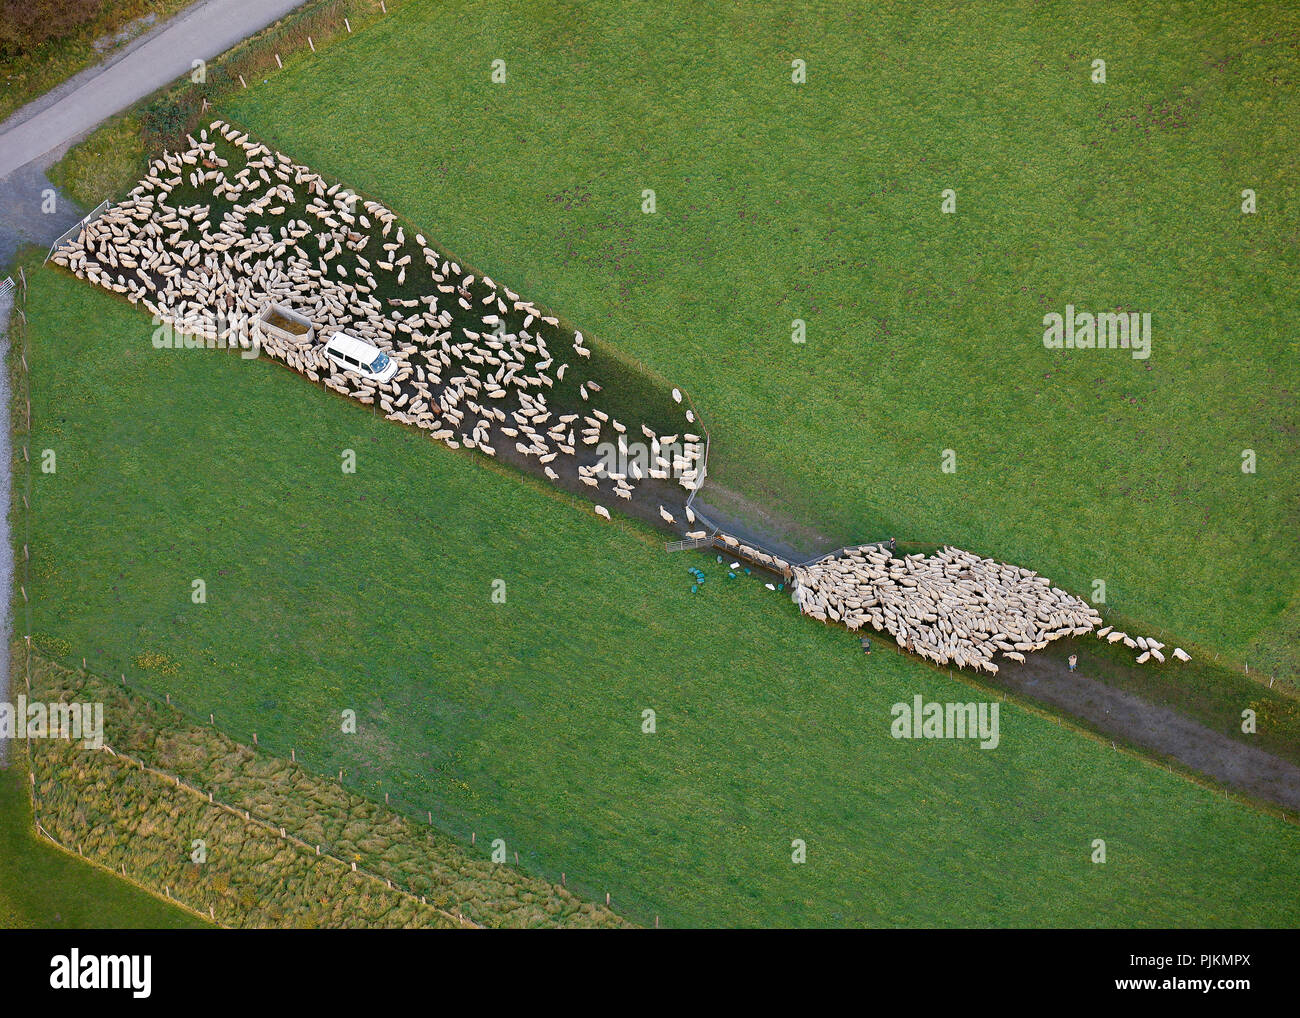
122 874
78 226
365 780
361 780
249 817
21 424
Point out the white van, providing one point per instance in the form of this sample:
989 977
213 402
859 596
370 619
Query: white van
352 354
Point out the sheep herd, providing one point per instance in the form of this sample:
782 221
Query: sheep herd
215 233
952 607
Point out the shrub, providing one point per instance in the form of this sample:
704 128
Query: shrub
27 24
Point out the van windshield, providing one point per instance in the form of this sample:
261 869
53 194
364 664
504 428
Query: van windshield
379 363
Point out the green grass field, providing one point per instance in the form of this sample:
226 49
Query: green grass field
821 201
44 888
522 720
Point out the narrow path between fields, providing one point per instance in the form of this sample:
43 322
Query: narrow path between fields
1253 771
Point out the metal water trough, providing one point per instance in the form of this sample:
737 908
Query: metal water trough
286 324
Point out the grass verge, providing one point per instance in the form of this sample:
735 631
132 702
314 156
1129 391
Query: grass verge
32 74
277 841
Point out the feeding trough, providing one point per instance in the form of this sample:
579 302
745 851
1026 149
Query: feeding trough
285 324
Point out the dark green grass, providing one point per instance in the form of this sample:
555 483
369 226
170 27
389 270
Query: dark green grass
821 202
44 888
522 720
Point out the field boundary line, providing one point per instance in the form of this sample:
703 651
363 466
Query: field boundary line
288 757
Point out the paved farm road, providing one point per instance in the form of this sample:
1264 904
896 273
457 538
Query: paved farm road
36 136
199 32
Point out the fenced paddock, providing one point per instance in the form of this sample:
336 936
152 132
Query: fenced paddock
266 790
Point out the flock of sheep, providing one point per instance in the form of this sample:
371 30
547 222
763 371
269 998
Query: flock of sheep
952 607
476 366
477 362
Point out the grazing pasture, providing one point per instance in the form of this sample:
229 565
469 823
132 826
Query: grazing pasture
131 808
822 202
523 718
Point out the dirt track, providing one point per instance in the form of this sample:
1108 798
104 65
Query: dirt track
1044 678
1164 732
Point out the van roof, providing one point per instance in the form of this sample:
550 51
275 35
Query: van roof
358 348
